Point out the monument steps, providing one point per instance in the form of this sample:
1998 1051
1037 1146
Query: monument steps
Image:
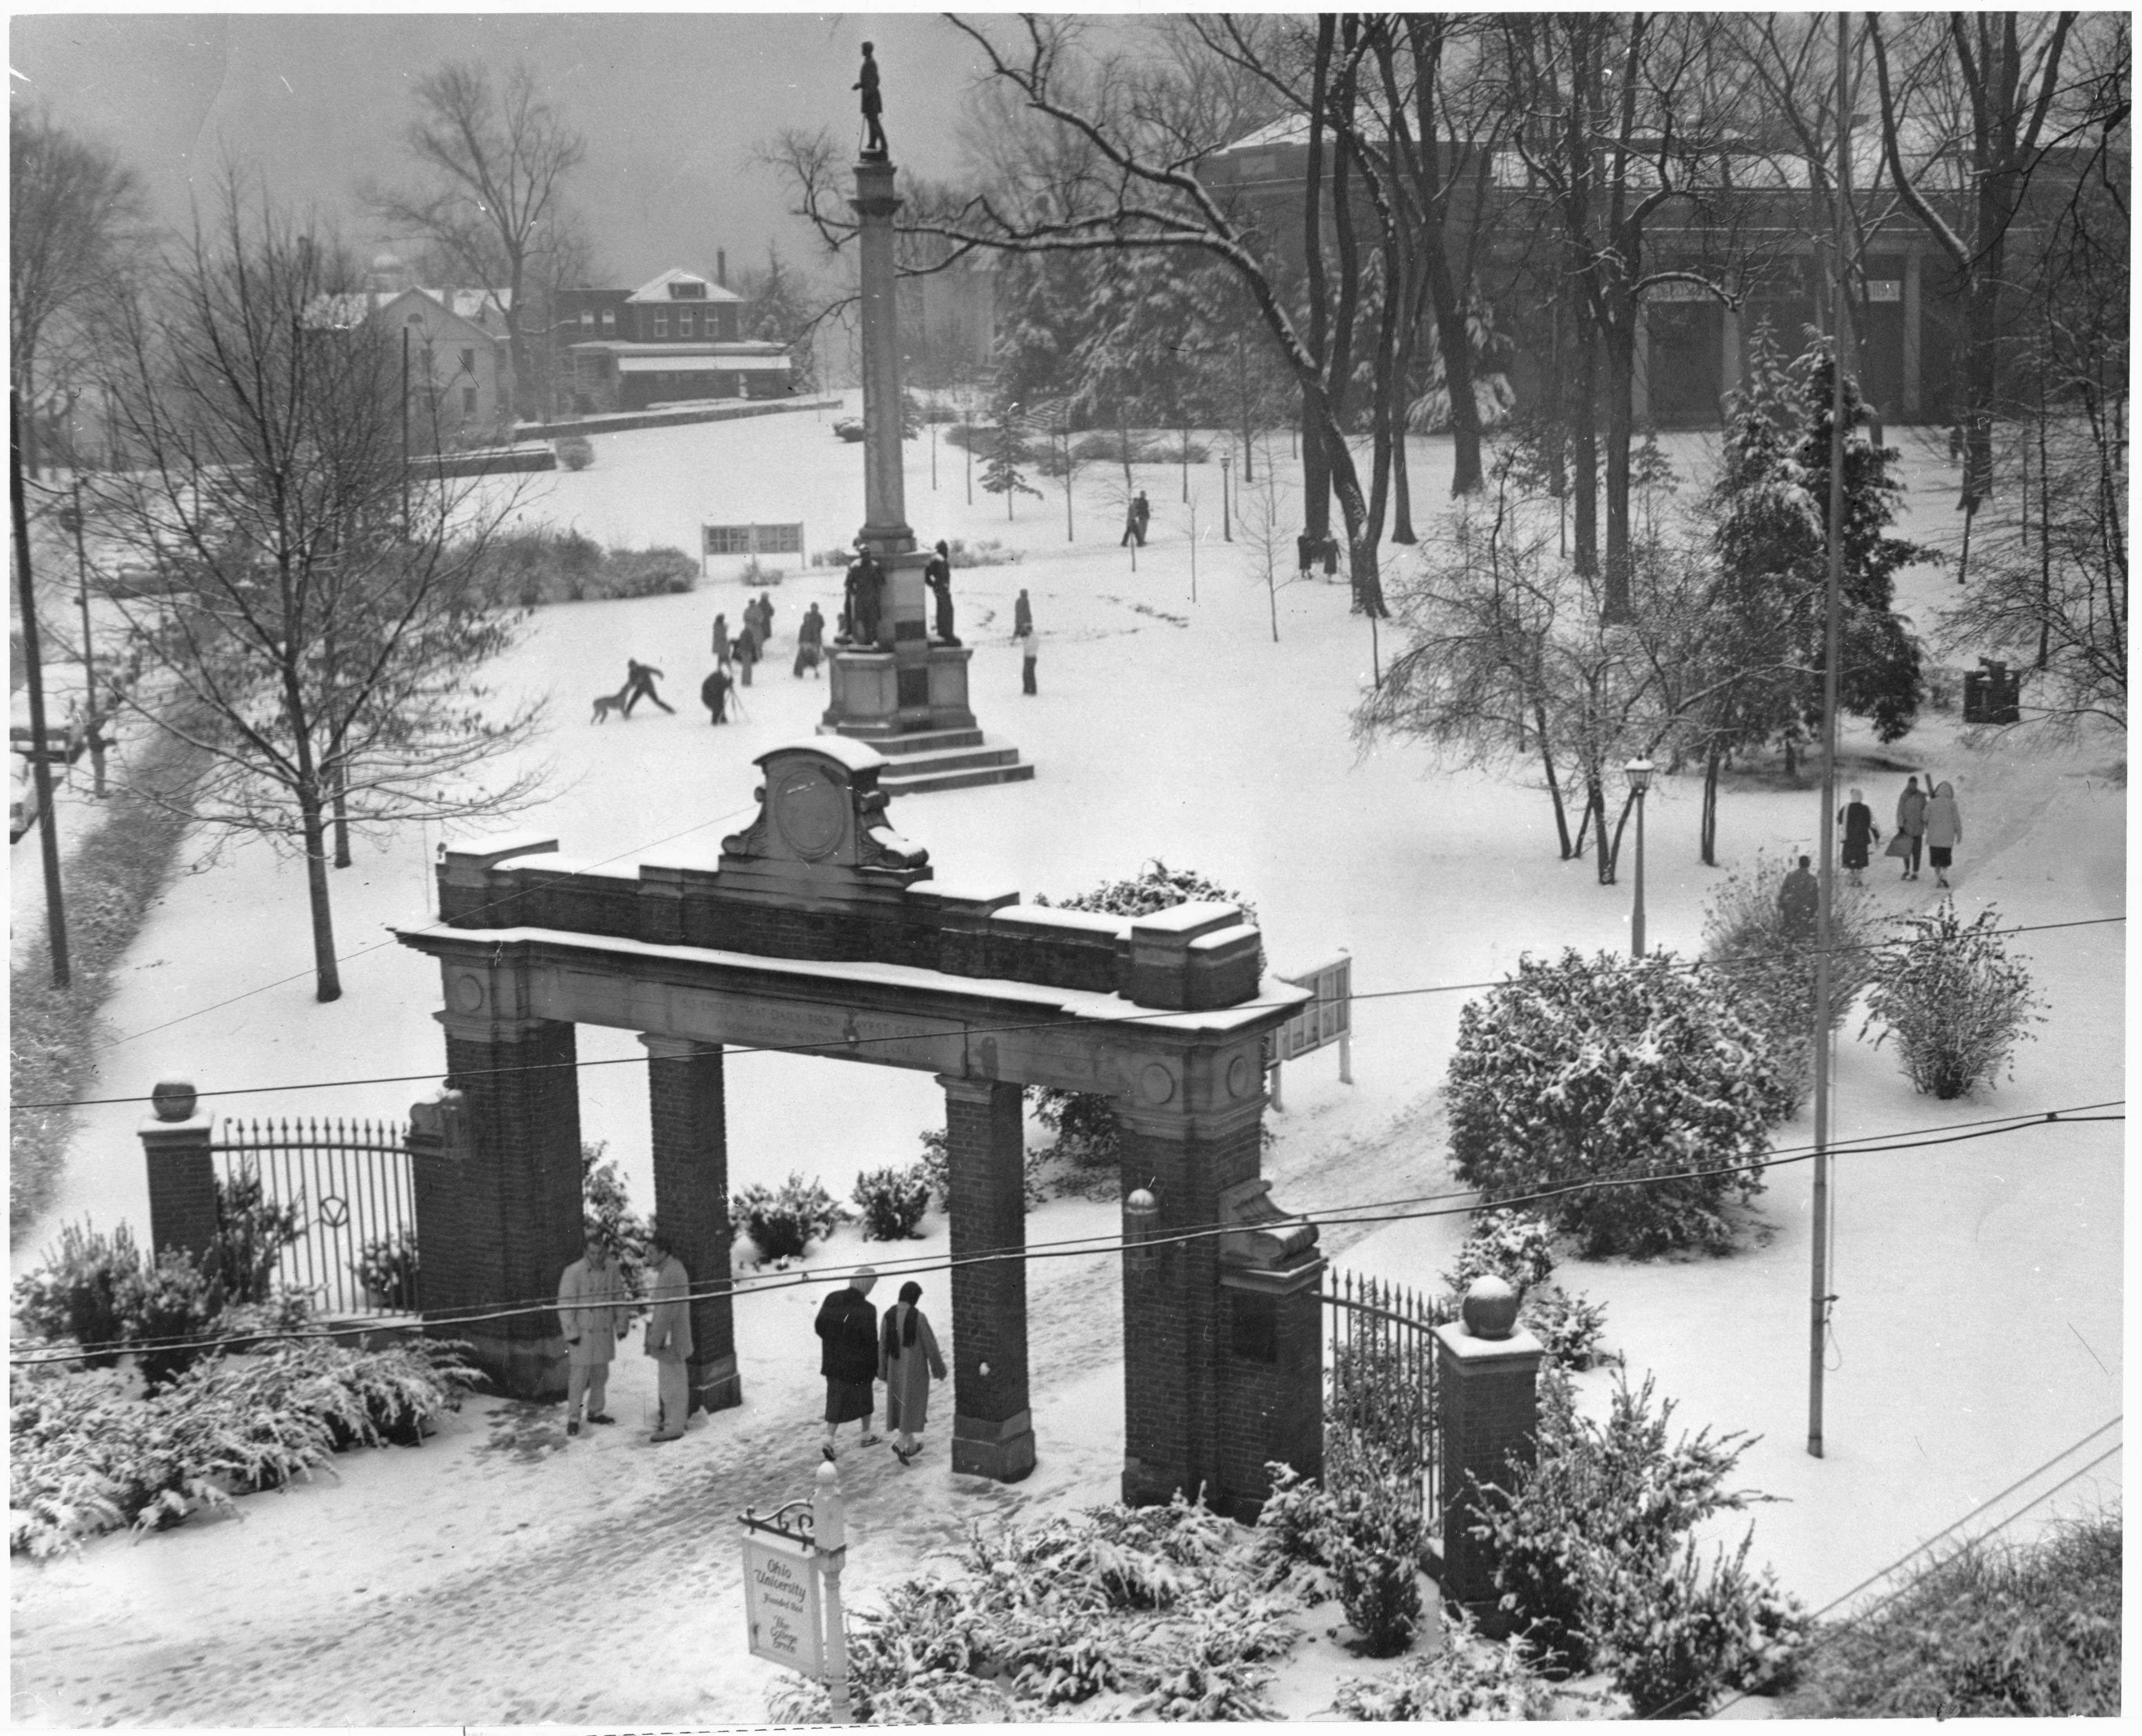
951 768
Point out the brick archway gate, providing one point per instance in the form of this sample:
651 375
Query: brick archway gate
820 928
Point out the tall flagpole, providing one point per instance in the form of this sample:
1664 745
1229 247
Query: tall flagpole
1819 1297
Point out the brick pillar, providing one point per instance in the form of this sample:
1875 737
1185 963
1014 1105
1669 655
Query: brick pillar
692 1201
499 1226
1486 1392
181 1182
1177 1333
992 1424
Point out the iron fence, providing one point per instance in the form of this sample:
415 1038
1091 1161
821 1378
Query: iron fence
1381 1424
347 1184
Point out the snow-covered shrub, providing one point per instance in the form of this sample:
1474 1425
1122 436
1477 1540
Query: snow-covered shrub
1470 1678
575 451
1569 1328
1365 1531
86 1458
784 1221
1770 970
1294 1524
80 1292
386 1266
251 1232
663 571
606 1205
935 1164
171 1310
1593 1562
988 551
1953 999
893 1200
1631 1091
1515 1246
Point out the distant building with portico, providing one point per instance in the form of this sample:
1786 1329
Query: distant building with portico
674 338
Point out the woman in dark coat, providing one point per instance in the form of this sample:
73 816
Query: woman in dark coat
848 1324
746 653
1858 833
907 1360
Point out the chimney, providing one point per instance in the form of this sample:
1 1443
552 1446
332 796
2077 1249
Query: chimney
722 267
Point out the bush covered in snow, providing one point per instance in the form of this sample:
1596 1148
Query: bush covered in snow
86 1458
606 1205
1594 1562
1632 1094
1470 1678
1366 1532
893 1200
1571 1328
1769 971
529 568
1515 1246
1142 1602
1953 999
782 1221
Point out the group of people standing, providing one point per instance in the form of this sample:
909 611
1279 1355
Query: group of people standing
1927 818
857 1352
746 647
595 1310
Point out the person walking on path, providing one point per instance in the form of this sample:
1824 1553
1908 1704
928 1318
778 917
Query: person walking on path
938 576
591 1297
1799 900
669 1334
639 679
1131 528
908 1359
1030 648
1944 832
721 638
1022 616
847 1324
1141 513
1859 833
810 642
714 693
1304 553
1911 826
746 653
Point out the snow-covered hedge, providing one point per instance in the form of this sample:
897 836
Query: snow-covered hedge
1953 999
1518 1248
1626 1100
1469 1678
1594 1560
782 1221
1366 1532
892 1201
86 1458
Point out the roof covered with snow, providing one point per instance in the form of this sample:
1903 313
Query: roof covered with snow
659 289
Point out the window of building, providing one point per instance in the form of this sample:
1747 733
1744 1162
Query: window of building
685 323
682 291
609 319
468 362
661 321
468 400
587 317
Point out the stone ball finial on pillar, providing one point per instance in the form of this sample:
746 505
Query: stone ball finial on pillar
173 1097
1490 1308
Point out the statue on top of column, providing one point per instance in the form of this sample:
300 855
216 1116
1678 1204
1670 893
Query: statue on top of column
873 107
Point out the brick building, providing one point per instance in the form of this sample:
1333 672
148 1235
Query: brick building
676 338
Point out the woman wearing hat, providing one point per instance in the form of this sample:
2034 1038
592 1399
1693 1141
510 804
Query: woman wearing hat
848 1325
908 1359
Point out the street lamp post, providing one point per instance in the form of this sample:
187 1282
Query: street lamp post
1639 773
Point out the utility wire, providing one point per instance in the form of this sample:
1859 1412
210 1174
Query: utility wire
1073 1247
848 1046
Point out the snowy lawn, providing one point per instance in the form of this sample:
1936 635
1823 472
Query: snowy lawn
501 1574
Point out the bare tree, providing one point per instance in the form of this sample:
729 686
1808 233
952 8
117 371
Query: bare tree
318 615
73 209
497 154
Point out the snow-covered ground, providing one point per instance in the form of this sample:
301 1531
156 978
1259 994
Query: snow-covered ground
501 1575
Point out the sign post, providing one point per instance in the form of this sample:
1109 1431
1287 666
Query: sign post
793 1559
1328 1019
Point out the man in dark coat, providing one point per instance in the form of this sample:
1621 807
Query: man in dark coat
1304 553
1142 512
810 639
870 595
847 1324
639 684
1022 616
714 693
1799 900
747 651
938 576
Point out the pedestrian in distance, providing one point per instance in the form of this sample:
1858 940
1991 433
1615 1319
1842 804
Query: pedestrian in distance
714 693
765 618
1022 616
1131 528
868 578
938 576
594 1313
847 1326
1799 901
1305 554
746 653
721 638
1944 832
908 1359
669 1334
1030 648
1859 833
810 642
639 679
1911 828
1142 511
1330 557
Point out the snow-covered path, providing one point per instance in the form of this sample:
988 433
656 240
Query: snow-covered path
500 1576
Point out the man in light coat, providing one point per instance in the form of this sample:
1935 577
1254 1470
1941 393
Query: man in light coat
591 1299
669 1334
